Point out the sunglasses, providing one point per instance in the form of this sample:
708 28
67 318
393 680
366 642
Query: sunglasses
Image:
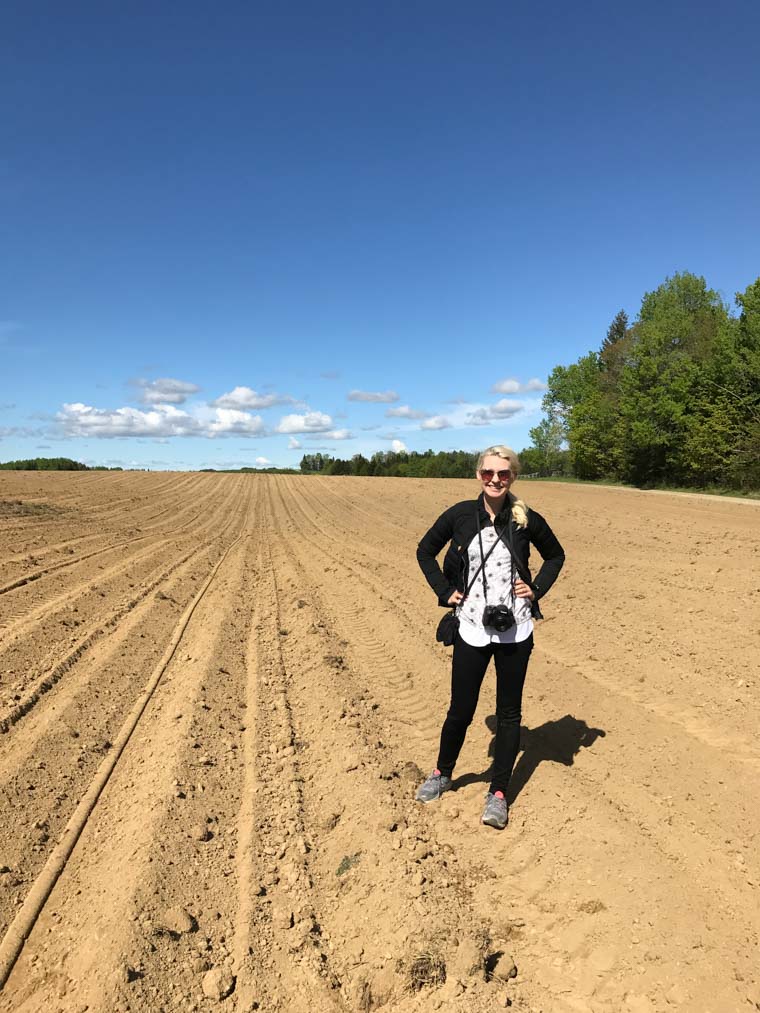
488 473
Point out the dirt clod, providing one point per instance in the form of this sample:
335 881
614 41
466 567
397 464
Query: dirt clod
218 983
504 967
177 921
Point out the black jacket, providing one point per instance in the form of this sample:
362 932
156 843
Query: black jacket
459 525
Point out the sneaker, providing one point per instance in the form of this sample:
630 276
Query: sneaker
496 812
434 787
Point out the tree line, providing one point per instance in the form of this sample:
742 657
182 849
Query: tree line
670 399
398 464
44 464
53 464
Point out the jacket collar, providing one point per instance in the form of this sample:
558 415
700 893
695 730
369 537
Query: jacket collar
504 515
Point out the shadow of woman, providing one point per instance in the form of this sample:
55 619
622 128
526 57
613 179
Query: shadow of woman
555 741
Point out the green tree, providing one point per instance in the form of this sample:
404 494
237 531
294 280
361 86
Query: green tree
616 333
547 439
659 404
576 405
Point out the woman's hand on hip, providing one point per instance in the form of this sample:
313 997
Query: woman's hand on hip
456 598
523 590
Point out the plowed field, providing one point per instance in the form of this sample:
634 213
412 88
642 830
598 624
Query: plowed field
218 694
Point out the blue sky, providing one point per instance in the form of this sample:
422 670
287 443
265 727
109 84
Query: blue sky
233 234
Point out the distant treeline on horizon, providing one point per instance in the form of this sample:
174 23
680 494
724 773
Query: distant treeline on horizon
52 464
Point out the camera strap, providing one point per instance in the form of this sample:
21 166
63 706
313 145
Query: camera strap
508 545
483 559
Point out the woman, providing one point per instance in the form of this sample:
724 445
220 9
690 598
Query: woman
486 578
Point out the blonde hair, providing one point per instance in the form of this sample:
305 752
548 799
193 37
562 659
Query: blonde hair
518 507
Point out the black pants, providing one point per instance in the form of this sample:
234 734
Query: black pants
468 667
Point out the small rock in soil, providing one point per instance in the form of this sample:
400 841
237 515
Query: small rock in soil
283 917
218 983
199 832
128 972
505 968
177 921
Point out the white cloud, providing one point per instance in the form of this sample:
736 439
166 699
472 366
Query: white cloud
505 409
486 415
294 444
311 422
376 396
79 419
508 386
160 422
512 386
399 447
263 461
331 434
404 412
230 421
478 417
244 397
166 391
437 422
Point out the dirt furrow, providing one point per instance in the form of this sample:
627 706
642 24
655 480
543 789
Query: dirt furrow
89 600
29 576
33 576
122 837
60 532
48 756
282 949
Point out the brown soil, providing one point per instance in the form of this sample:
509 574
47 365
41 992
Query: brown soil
257 845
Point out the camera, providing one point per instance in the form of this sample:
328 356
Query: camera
499 617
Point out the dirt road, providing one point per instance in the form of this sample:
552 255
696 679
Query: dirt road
220 692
